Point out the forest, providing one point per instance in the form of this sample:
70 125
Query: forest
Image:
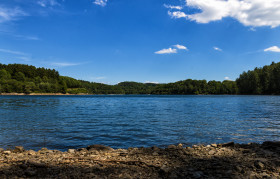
20 78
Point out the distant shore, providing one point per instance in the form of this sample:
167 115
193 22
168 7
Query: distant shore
228 160
41 94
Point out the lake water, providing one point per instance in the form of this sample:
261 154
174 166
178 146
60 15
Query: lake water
62 122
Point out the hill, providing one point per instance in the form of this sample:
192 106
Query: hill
20 78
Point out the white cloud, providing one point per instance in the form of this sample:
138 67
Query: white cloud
172 50
100 2
45 3
272 49
10 14
177 14
248 12
227 78
173 7
12 52
217 48
180 47
58 64
167 51
154 82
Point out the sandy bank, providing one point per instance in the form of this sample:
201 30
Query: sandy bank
212 161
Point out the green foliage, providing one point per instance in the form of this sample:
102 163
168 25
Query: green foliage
77 91
18 78
265 80
27 79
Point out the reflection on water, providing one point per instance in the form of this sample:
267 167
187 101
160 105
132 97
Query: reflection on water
61 122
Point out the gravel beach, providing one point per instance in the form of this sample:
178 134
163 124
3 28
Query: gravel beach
228 160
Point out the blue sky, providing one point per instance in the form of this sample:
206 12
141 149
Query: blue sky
111 41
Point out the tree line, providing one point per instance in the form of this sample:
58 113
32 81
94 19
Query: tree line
19 78
265 80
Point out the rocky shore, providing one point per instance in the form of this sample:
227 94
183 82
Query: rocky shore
228 160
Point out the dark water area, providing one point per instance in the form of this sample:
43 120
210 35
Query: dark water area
62 122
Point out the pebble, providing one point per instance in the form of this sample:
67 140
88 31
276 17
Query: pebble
19 149
197 174
172 147
71 151
7 152
214 145
210 161
211 152
30 172
259 165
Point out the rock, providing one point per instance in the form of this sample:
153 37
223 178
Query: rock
44 149
99 148
71 151
229 172
271 145
195 146
36 164
155 148
18 149
155 154
1 149
259 165
198 174
30 172
238 169
7 152
229 144
165 168
211 152
23 166
171 147
180 145
31 152
214 145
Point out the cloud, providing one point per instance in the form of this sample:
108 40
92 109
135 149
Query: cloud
12 52
272 49
228 78
177 14
59 64
167 51
172 50
10 14
173 7
100 2
180 47
254 13
217 49
45 3
154 82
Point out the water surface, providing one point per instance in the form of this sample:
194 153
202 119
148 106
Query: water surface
61 122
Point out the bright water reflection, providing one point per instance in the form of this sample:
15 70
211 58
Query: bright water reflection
61 122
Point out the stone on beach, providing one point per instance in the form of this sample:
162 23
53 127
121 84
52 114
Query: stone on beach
211 161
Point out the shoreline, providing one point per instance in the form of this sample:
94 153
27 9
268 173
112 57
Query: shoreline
229 160
87 94
41 94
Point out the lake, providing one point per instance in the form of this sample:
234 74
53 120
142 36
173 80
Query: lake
122 121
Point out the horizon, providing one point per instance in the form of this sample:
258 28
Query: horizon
109 42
